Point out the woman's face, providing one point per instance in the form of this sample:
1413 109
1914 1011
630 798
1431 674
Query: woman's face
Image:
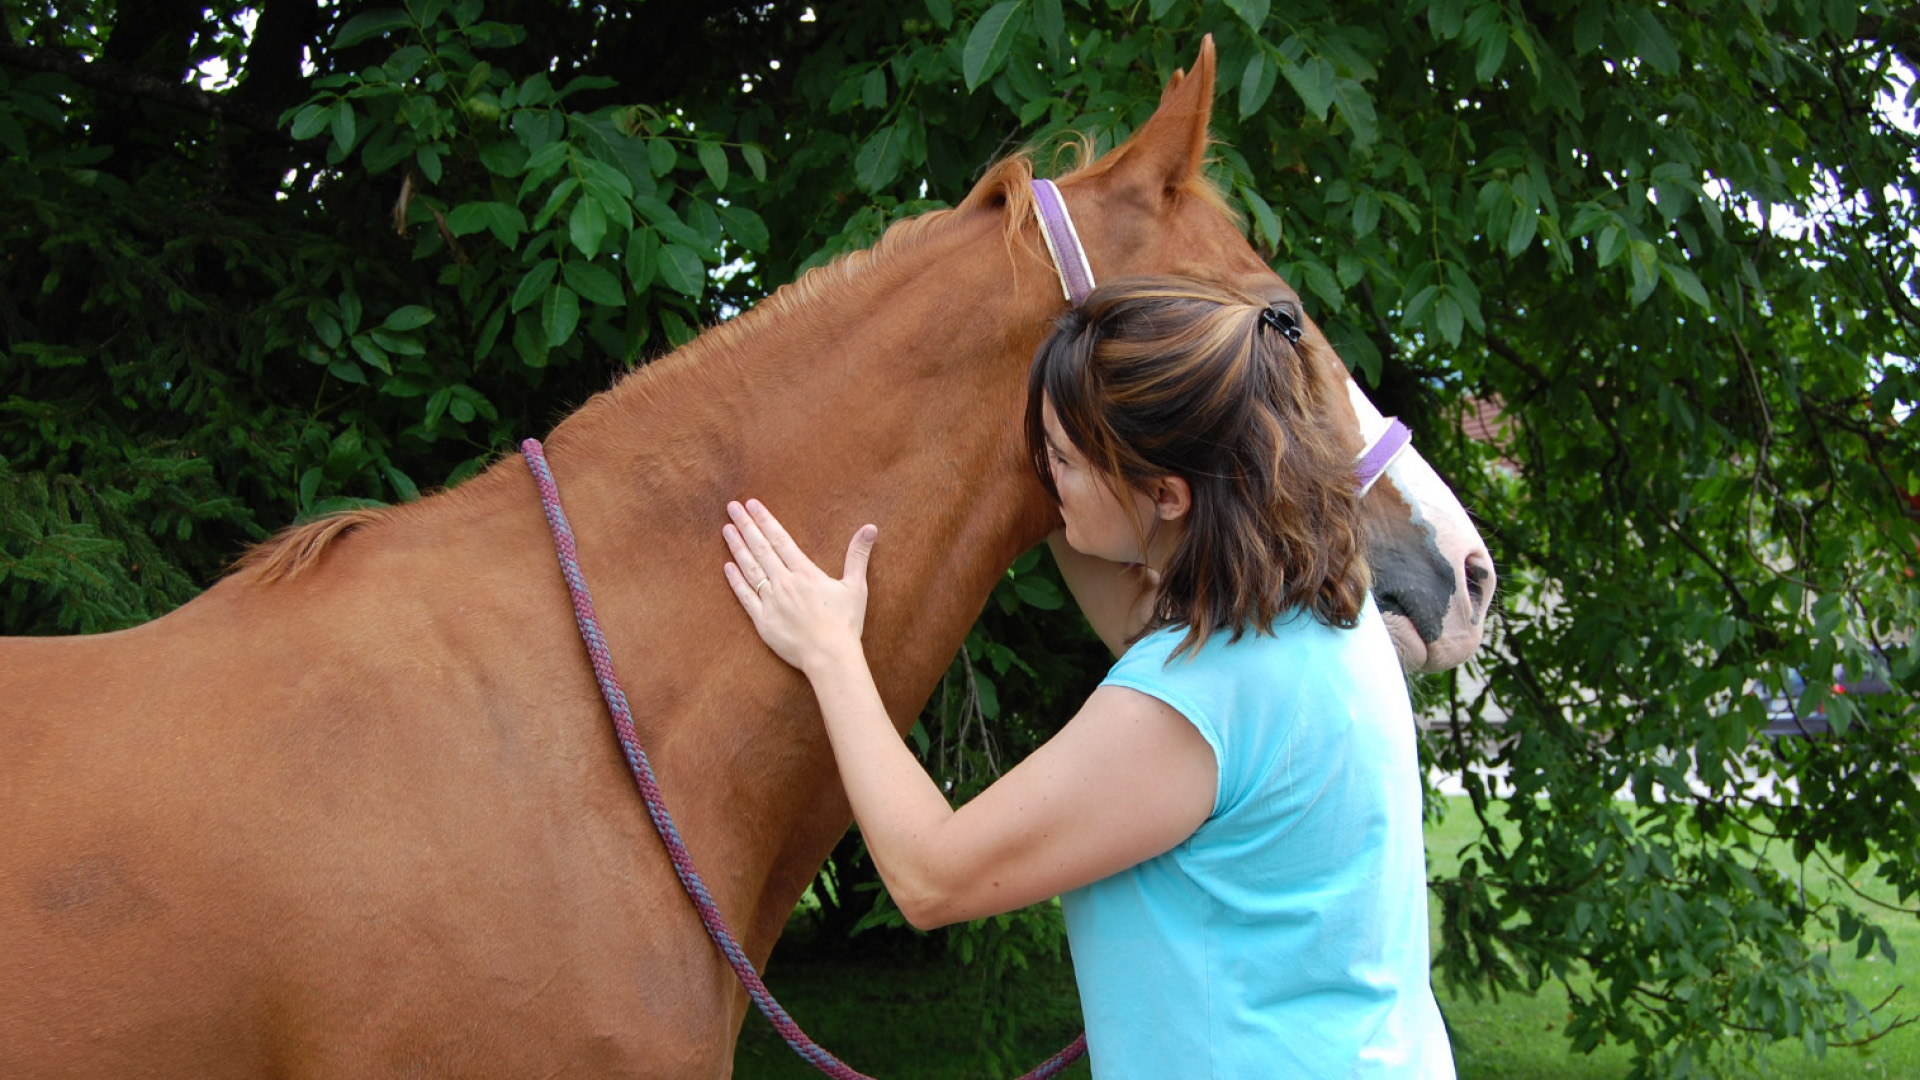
1099 522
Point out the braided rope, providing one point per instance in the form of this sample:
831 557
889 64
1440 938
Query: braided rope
813 1053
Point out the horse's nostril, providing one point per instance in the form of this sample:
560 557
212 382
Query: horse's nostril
1479 581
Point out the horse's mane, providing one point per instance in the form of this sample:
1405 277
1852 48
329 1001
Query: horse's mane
293 549
296 549
716 355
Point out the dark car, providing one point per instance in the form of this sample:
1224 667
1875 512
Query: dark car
1783 716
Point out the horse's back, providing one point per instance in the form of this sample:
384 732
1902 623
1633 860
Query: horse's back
241 841
103 889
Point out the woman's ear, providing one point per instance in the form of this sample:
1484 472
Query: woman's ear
1172 498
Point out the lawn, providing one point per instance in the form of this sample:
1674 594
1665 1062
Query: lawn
894 1018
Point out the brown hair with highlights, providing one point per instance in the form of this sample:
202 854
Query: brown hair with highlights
1171 376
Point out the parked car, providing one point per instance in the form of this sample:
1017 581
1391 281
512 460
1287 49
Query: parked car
1783 706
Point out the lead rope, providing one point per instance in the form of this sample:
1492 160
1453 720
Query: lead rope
813 1053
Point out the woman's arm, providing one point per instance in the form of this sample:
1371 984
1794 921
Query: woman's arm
1125 780
1116 598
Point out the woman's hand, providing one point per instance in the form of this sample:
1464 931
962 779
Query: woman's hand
803 615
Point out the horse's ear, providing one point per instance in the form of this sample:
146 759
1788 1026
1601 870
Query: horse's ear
1168 149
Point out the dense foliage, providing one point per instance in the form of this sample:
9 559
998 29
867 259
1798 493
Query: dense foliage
1673 241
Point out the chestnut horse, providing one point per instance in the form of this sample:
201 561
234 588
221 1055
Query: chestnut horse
356 810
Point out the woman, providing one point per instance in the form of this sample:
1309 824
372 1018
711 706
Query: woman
1232 821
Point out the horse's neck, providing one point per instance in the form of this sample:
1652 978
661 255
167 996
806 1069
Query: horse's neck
898 405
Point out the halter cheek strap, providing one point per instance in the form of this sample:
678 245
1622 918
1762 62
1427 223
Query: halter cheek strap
1063 243
1076 282
1380 453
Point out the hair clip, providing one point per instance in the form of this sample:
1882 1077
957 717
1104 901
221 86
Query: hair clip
1282 321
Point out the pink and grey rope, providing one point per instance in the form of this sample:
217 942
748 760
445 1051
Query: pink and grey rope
637 762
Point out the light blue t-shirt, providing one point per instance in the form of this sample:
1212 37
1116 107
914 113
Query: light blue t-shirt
1287 937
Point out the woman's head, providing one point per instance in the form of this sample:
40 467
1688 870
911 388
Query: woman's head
1165 377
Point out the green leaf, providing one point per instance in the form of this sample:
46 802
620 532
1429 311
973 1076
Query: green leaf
1050 24
428 159
682 271
307 123
559 314
555 200
594 282
506 221
1491 54
878 161
678 332
1687 283
533 284
1613 241
1650 41
643 257
1356 108
403 485
1645 268
1520 233
529 340
1266 223
469 218
326 328
1449 319
746 227
942 12
1251 12
347 371
1313 80
371 24
756 160
1038 592
988 43
490 333
873 88
1366 214
370 353
343 126
713 158
410 317
587 226
1257 83
661 156
505 157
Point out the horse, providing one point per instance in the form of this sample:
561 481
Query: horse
355 810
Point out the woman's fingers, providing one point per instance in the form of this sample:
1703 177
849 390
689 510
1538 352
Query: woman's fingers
748 565
776 534
859 550
742 591
756 539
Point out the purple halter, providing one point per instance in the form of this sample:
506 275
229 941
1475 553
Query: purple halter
1076 281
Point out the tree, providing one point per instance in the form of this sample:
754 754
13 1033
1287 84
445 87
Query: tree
1672 241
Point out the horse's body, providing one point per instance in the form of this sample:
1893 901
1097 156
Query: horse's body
356 809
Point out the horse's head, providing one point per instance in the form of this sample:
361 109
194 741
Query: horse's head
1147 208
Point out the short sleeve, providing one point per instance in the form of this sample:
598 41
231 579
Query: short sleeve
1183 684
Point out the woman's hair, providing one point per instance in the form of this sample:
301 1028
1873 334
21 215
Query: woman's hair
1160 376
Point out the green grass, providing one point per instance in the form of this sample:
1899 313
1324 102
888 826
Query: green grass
1519 1037
905 1020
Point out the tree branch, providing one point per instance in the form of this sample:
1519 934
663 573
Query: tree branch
113 78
